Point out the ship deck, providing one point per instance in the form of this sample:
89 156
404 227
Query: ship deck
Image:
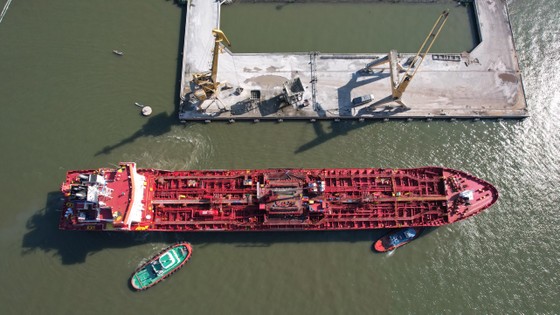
282 199
272 199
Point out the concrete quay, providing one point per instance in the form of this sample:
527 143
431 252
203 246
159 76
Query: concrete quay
484 83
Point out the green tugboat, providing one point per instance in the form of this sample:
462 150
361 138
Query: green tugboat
161 266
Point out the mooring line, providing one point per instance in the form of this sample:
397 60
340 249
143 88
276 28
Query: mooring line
5 10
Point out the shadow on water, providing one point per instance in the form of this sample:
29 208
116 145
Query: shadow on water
161 123
268 238
337 129
73 247
285 3
473 23
155 126
342 128
179 72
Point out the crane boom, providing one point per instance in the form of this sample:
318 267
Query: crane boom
398 89
219 37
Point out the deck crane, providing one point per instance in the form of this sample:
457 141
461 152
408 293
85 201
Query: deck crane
398 86
207 81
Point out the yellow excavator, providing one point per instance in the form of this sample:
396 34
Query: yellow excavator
206 82
398 86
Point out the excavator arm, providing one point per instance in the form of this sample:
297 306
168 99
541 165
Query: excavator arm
208 80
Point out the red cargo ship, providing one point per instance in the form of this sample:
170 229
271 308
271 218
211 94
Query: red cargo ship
131 199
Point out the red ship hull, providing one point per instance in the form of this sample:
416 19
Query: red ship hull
130 199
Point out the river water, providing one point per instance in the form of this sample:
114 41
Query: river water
68 103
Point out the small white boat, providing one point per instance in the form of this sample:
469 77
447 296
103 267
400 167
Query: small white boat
118 52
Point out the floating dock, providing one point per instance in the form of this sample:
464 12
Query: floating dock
484 83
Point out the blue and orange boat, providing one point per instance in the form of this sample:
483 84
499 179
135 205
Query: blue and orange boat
396 239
